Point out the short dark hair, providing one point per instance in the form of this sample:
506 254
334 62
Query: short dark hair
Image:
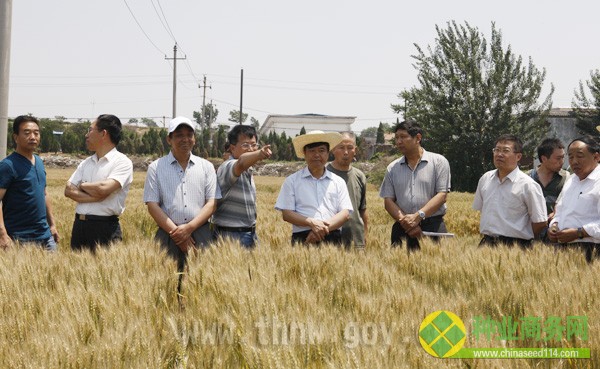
21 119
411 126
548 146
315 144
112 125
511 138
590 142
238 130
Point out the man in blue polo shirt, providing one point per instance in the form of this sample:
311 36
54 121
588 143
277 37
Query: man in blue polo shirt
25 215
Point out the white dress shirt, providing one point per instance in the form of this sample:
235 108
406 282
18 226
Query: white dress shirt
318 198
579 206
509 207
113 165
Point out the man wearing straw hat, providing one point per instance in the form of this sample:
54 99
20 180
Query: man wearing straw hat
314 200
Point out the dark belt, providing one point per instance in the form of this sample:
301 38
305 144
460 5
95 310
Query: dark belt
495 240
100 218
236 229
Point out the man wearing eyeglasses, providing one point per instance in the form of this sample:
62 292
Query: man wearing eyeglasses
235 217
512 205
99 186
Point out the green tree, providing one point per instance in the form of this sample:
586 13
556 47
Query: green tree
380 138
130 141
234 116
149 122
208 118
151 143
255 123
587 109
469 93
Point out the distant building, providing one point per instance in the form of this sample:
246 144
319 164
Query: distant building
292 124
562 124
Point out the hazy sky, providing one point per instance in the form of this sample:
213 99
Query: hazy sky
78 58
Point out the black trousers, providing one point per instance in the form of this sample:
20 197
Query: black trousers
506 241
431 224
89 234
334 237
591 250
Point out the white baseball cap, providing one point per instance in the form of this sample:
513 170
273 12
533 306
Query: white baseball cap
176 122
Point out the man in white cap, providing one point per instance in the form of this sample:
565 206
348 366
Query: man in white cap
314 200
99 186
180 193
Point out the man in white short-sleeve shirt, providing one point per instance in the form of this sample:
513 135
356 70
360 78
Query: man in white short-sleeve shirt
99 186
512 205
314 200
577 219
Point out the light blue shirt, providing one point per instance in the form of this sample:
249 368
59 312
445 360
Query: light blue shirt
318 198
180 193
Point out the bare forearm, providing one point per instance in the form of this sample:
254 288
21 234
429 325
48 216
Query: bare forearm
78 195
338 220
100 190
160 217
365 219
294 218
49 216
435 203
538 228
392 208
204 215
247 160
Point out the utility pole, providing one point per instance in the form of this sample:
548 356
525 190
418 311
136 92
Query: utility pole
204 86
175 58
241 93
5 27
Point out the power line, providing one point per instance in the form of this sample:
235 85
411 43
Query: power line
165 18
168 29
142 29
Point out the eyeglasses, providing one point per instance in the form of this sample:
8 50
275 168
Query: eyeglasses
504 150
247 146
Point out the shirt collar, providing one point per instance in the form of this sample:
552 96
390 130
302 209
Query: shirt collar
512 175
306 173
593 176
171 158
109 155
425 157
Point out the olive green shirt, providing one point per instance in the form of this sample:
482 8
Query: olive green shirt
354 228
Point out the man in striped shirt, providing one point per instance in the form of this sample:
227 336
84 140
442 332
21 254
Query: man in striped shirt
235 217
180 193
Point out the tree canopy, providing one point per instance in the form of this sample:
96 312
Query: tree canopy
587 109
470 92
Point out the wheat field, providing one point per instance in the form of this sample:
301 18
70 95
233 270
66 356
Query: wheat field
278 306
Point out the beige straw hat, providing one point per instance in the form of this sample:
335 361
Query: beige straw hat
332 138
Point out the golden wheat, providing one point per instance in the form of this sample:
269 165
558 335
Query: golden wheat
277 306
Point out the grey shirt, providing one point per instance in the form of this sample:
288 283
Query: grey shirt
237 208
413 189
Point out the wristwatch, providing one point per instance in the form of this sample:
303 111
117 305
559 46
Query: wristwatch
421 214
580 232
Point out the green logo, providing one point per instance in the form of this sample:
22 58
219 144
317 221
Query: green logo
442 334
